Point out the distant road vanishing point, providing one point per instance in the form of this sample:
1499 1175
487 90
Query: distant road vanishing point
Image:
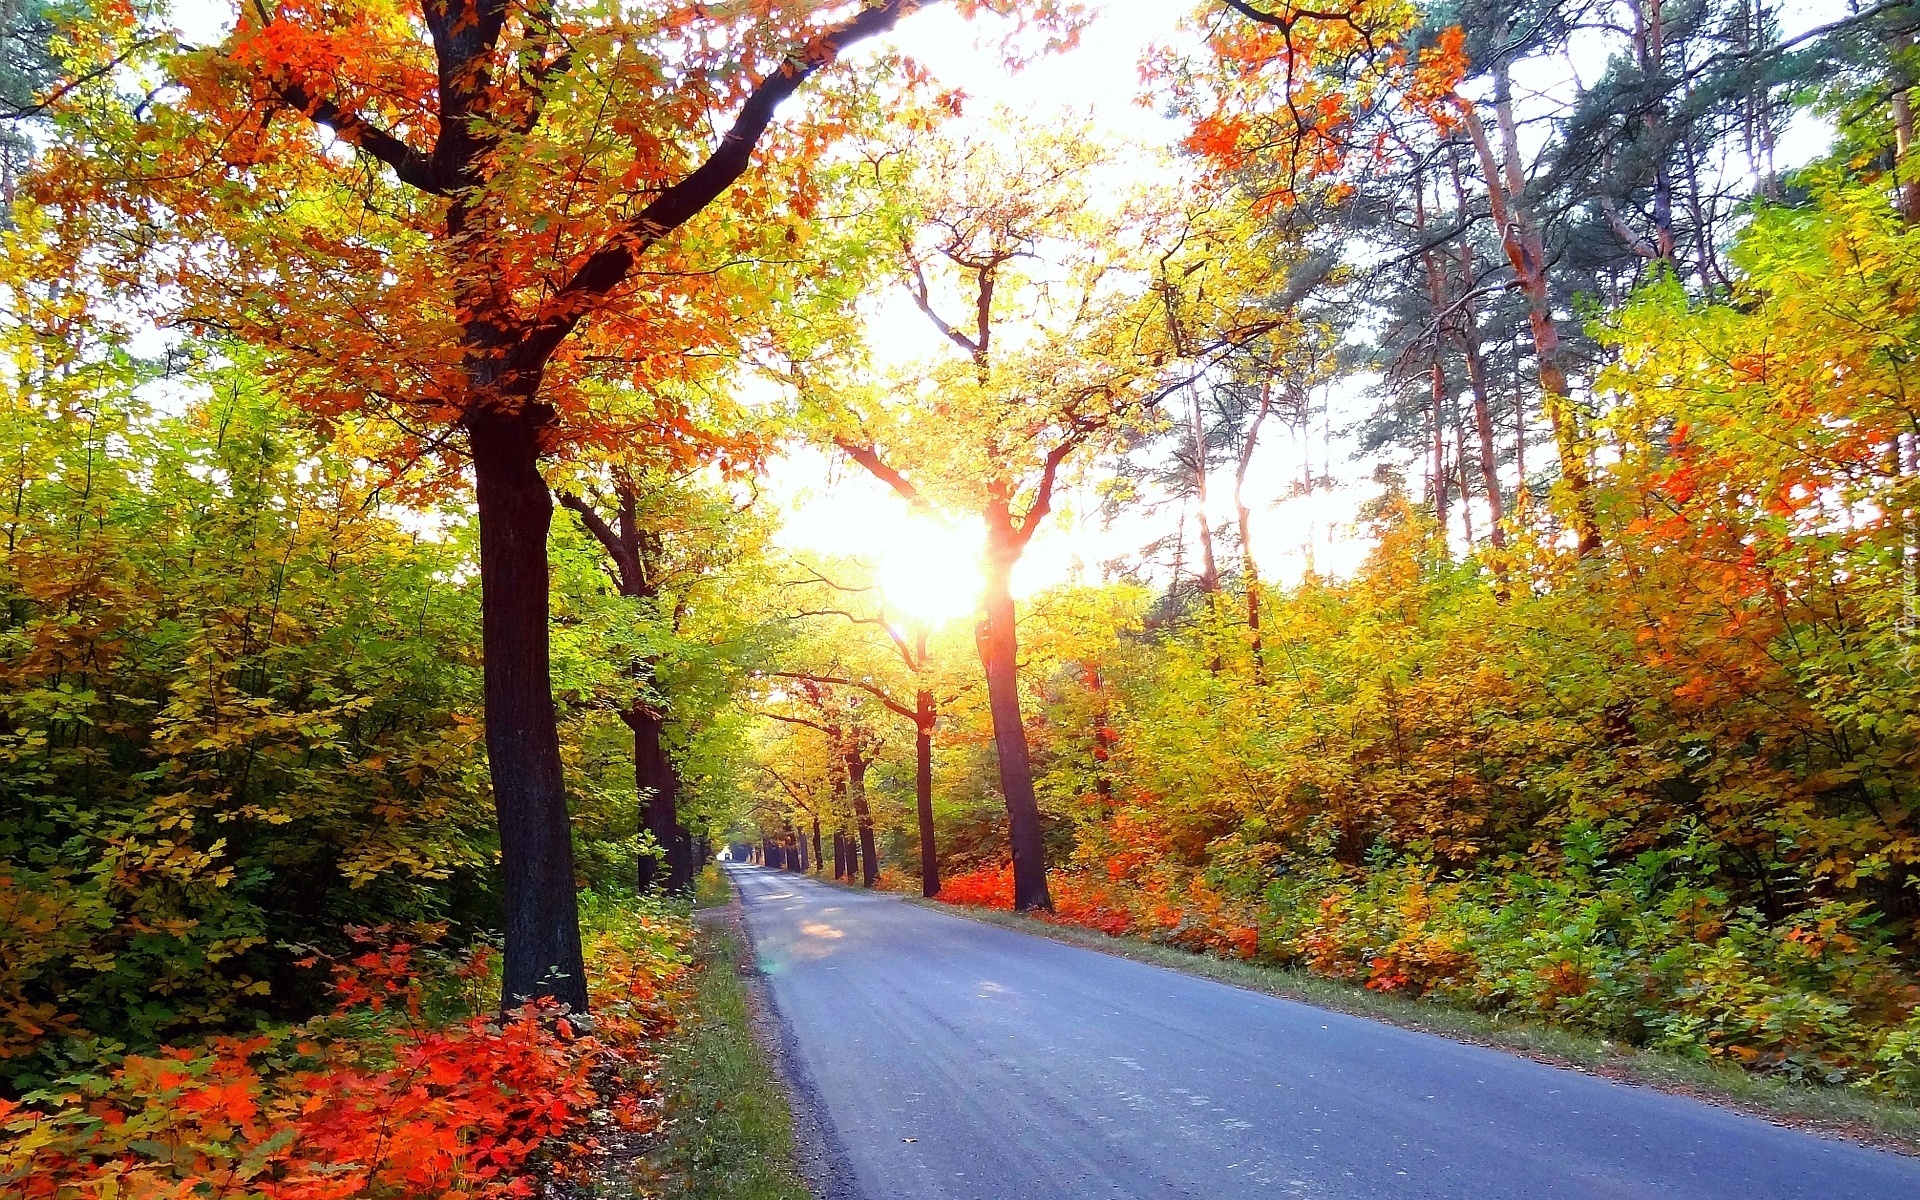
947 1058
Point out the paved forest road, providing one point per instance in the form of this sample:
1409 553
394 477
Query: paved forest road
957 1059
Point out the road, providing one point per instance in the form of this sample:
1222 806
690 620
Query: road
949 1058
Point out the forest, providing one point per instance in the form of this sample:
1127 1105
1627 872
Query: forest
1420 492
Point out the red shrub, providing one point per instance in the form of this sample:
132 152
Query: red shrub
986 887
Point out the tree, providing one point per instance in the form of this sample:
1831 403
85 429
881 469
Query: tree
850 746
1010 237
670 546
240 694
469 217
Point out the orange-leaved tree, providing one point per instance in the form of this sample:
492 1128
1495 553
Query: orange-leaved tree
485 221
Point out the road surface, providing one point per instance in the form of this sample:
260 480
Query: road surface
949 1058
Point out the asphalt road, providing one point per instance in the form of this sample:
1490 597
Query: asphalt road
949 1058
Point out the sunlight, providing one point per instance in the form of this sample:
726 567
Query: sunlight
930 571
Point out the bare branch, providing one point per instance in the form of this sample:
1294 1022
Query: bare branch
414 168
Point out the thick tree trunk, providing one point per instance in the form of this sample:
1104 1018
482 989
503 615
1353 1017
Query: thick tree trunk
817 861
542 921
923 718
999 657
839 854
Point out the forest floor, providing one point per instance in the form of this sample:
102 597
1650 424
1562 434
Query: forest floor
1842 1112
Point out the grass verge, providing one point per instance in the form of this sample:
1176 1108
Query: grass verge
1832 1110
729 1134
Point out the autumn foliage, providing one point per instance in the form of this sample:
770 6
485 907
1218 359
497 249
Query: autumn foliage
1664 794
380 1095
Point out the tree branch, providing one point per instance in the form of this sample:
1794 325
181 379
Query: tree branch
924 301
608 267
630 574
413 167
869 457
873 690
1043 501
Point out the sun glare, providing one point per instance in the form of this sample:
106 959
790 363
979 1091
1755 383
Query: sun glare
931 572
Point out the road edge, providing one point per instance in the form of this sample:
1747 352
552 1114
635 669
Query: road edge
818 1152
1567 1050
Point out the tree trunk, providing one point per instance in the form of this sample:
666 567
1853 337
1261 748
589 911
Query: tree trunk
1249 569
1437 375
1906 171
818 862
542 922
923 718
1649 46
1104 737
659 783
1209 569
1477 376
998 643
1483 429
863 816
1526 252
1437 368
839 854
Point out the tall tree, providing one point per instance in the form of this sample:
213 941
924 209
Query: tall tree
1047 361
468 215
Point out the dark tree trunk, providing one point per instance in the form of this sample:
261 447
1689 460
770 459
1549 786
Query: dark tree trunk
839 855
542 922
857 792
923 718
817 861
999 657
659 782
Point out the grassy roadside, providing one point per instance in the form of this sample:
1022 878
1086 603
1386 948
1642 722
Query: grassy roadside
1838 1111
729 1134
